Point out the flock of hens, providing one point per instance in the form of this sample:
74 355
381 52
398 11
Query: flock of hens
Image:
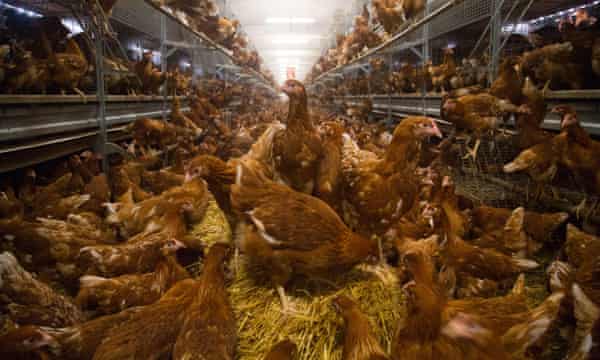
66 64
565 57
99 266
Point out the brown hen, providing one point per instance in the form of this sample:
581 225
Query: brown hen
30 301
291 233
209 329
359 341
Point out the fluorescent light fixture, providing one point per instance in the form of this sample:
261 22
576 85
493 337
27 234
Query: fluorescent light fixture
294 38
290 20
284 60
290 52
520 28
564 12
73 26
20 10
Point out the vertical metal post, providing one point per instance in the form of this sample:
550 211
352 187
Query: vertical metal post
389 90
425 57
194 63
495 38
100 93
163 62
368 74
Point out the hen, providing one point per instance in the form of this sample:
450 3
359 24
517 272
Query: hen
540 162
209 329
98 188
506 316
151 78
511 239
185 204
81 341
442 75
478 114
553 64
508 84
579 154
467 259
161 181
111 295
179 119
420 336
329 177
291 233
297 150
540 226
390 14
67 68
24 343
27 74
382 190
150 331
131 257
359 341
43 199
30 301
530 133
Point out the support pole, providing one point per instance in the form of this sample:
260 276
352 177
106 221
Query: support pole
389 90
425 57
495 38
163 62
100 92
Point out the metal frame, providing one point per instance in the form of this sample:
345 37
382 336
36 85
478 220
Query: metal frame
49 120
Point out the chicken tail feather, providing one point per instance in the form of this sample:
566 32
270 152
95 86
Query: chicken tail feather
525 264
91 281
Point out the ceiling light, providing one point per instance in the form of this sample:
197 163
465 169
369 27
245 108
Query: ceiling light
290 40
291 52
287 20
563 12
73 26
20 10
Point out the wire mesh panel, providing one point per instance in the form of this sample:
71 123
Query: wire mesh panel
484 182
459 16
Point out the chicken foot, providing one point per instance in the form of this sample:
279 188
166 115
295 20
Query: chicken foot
82 94
580 210
288 306
472 152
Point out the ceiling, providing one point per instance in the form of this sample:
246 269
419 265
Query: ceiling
298 42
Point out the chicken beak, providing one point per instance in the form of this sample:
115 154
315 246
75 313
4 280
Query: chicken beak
435 130
178 245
